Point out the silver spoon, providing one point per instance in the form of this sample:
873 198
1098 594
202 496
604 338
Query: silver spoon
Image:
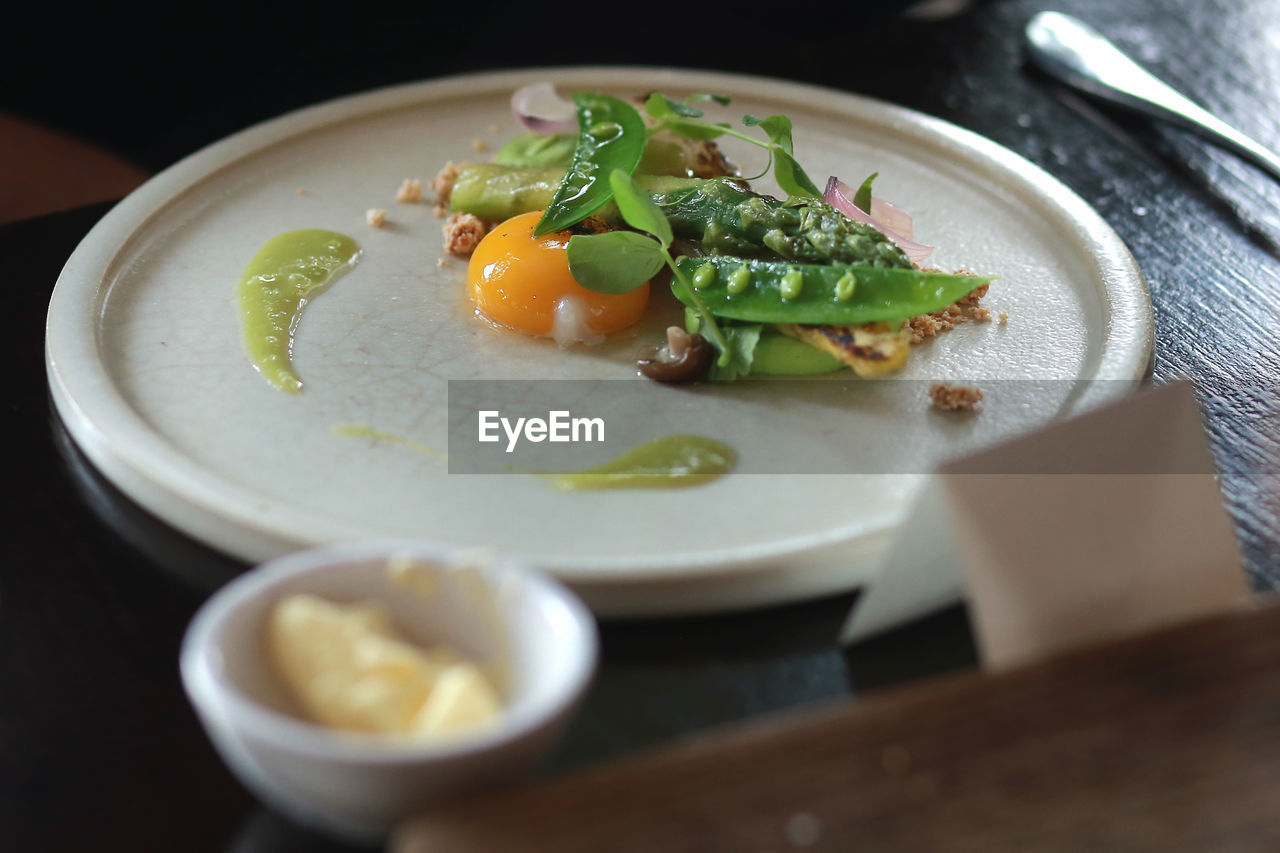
1080 56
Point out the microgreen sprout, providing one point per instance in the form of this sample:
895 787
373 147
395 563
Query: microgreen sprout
620 261
684 120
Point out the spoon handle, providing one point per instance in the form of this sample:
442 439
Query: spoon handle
1080 56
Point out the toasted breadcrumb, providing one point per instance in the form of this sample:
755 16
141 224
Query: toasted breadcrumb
376 216
410 191
442 186
954 398
963 310
463 232
440 262
478 144
302 190
1004 318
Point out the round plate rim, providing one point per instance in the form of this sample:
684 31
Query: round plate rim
123 454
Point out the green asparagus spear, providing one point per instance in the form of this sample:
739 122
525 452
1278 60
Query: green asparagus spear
718 213
729 220
498 193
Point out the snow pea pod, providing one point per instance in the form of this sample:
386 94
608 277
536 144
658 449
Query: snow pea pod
759 291
611 135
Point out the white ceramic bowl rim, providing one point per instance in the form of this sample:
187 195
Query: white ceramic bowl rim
206 685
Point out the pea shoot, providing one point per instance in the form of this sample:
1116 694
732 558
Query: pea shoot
684 120
621 261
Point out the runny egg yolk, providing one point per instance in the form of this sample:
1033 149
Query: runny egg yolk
523 282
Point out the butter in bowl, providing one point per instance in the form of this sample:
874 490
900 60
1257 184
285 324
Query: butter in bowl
352 686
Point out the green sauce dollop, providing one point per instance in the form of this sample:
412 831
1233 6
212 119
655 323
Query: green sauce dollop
672 461
287 272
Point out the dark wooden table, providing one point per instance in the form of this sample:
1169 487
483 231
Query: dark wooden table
98 748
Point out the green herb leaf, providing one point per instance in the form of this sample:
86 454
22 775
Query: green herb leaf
638 208
694 129
698 97
611 135
862 198
742 342
777 126
614 262
659 105
791 177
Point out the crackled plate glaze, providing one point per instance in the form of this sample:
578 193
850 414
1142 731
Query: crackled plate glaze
148 369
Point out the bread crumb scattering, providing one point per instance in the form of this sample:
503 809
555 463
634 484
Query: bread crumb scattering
410 191
954 398
963 310
1004 318
442 186
479 145
440 262
463 232
376 216
302 190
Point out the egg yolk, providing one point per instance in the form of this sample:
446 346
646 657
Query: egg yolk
518 280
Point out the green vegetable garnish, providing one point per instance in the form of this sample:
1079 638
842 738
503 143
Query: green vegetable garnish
538 151
743 340
616 262
758 350
548 151
704 276
779 355
719 214
862 198
791 284
611 136
613 262
812 293
683 120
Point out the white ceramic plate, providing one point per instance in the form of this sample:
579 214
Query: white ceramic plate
148 369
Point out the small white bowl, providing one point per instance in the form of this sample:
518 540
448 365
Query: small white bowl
501 613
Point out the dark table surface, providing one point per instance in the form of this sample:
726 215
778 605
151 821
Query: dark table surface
98 747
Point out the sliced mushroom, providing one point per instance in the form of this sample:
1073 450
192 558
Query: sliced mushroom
685 358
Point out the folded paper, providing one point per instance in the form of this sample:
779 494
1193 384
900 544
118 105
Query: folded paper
1107 524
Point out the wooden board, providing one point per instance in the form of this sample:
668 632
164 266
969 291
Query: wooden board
1170 741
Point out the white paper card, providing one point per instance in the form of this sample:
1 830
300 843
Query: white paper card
1107 524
